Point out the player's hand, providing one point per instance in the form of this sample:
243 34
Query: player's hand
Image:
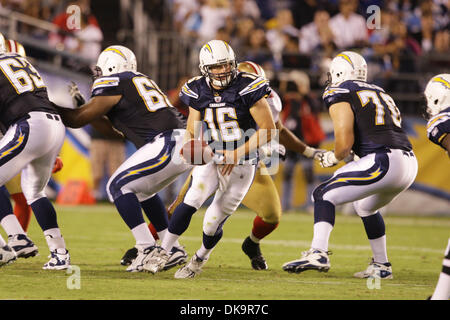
270 150
351 157
229 161
327 159
77 98
58 165
313 153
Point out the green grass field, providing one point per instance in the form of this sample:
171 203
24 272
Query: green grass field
97 238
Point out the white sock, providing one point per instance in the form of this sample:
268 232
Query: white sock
2 242
322 232
55 241
143 235
169 240
442 291
204 253
11 225
379 249
162 233
253 238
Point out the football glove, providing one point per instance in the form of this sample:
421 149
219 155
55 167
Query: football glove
77 98
351 157
313 153
272 149
327 159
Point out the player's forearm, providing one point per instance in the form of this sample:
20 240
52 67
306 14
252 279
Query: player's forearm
291 141
72 118
343 147
104 126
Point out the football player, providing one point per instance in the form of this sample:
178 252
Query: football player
437 93
127 102
262 196
34 135
365 119
21 208
238 119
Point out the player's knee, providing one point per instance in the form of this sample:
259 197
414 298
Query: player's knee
195 197
317 193
271 216
362 212
31 196
211 227
113 189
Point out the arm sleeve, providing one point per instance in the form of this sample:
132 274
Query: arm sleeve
255 91
334 95
188 96
106 86
438 129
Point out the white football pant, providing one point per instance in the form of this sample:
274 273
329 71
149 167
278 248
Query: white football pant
151 168
229 192
31 146
371 182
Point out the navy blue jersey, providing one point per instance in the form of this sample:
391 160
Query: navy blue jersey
143 112
377 125
438 127
226 112
22 90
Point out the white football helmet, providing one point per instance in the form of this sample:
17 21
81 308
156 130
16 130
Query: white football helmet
115 59
216 53
437 93
3 48
347 65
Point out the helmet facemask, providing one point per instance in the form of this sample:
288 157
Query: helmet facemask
222 79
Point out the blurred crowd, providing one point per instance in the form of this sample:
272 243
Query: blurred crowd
300 34
78 29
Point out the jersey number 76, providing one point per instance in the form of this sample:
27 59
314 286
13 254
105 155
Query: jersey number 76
380 100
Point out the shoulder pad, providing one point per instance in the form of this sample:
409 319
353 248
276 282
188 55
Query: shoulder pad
334 90
256 84
104 82
437 119
188 91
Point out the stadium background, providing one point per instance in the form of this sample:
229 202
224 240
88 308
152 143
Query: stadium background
403 53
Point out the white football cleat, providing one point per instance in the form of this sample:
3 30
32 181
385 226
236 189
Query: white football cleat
313 259
177 257
156 261
376 270
58 261
7 255
191 269
22 245
142 258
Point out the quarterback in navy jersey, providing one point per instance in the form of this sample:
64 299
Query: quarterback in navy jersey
239 121
226 112
437 93
126 102
365 119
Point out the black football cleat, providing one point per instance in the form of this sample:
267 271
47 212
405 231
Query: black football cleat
253 251
129 256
